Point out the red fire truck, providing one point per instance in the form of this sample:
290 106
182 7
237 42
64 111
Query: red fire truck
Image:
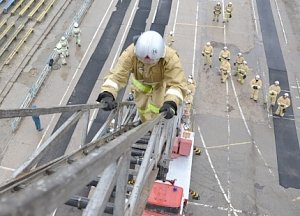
170 197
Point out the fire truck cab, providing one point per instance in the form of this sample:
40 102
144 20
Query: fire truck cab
170 197
165 199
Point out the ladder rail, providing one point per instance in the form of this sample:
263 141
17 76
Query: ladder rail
156 148
21 171
12 113
65 181
55 182
54 138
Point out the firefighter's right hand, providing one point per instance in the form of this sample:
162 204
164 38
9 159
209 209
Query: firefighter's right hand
108 99
202 54
170 108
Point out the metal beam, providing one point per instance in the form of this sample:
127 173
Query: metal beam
121 187
39 153
104 189
12 113
43 196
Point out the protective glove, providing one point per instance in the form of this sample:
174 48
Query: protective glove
170 108
202 54
254 87
234 64
108 99
219 59
210 55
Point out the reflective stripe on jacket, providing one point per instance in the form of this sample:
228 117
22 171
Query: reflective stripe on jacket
151 108
141 87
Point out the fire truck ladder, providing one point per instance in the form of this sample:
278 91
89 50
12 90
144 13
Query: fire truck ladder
122 150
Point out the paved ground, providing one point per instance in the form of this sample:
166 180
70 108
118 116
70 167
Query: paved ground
237 172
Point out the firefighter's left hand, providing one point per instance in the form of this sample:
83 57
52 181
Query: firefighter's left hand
108 99
170 108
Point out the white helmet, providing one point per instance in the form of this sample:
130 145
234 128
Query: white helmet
245 62
225 48
58 46
150 47
76 24
257 77
190 80
240 54
63 38
286 94
186 126
218 3
190 76
230 3
171 32
276 82
208 43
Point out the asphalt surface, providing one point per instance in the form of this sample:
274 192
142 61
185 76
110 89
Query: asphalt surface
88 78
287 144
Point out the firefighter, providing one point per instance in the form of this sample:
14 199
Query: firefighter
225 69
238 62
170 39
256 85
60 53
242 72
65 46
228 12
208 52
188 103
224 54
191 85
283 102
274 91
189 99
217 11
157 77
77 33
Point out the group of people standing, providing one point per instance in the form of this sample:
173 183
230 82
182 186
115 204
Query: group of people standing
227 12
241 67
241 70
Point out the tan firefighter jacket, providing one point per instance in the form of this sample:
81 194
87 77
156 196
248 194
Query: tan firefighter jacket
152 84
274 89
284 102
207 50
256 83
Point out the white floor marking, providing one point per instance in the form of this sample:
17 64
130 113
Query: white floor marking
215 173
195 41
7 168
281 23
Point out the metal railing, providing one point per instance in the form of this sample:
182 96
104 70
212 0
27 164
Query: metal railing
39 191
